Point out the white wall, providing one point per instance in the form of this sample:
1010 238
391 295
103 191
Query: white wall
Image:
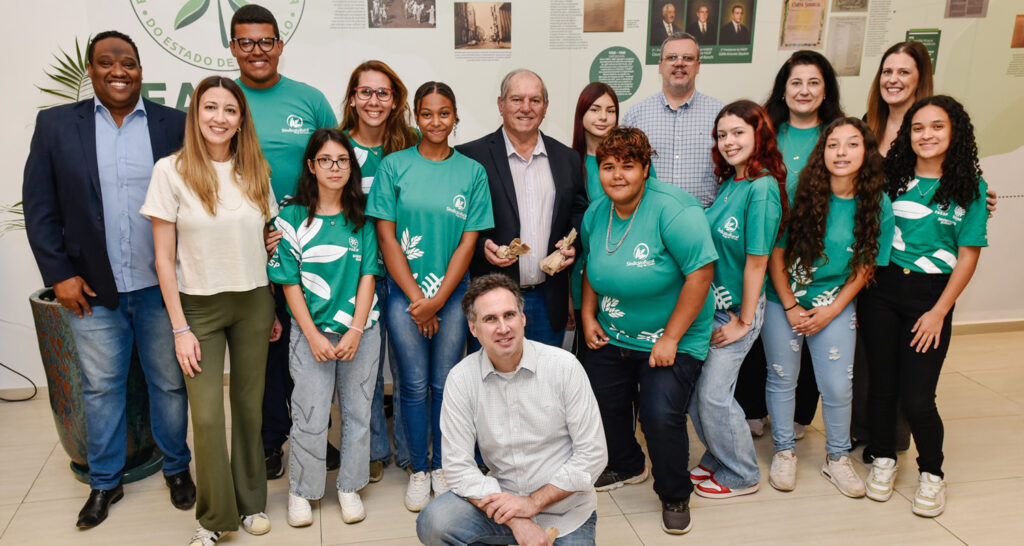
972 65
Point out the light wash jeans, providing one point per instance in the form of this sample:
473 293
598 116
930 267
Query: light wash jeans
423 365
832 357
718 418
104 340
451 520
380 440
315 384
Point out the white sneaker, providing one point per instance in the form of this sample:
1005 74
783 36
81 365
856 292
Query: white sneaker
930 499
256 524
799 431
352 510
841 473
417 495
438 483
880 480
783 472
300 514
205 537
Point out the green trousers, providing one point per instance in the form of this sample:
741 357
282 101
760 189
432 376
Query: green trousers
229 487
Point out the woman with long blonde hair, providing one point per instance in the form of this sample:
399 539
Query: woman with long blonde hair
209 204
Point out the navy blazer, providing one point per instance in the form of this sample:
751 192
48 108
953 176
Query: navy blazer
62 198
567 213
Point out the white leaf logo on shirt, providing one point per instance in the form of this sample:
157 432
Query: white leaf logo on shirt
342 317
431 284
316 285
723 299
910 210
825 298
651 336
323 253
897 240
610 307
409 245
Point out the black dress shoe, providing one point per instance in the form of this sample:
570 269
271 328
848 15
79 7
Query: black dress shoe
333 457
275 466
183 491
95 509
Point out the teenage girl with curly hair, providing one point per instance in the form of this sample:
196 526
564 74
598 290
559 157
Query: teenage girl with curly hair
938 197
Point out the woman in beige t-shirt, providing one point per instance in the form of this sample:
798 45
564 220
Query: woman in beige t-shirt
210 203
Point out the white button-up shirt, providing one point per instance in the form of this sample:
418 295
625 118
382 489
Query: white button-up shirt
537 425
535 195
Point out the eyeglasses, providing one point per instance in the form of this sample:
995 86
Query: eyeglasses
687 59
326 163
248 44
384 94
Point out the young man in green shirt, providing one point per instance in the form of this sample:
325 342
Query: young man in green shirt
285 113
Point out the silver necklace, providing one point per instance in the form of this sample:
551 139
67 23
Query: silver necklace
608 236
923 192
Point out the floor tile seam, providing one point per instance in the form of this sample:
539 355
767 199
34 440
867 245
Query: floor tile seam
966 375
39 473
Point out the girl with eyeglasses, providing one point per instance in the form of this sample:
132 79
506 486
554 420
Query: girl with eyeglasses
327 266
376 121
430 203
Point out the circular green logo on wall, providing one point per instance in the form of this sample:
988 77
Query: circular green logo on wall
198 32
620 68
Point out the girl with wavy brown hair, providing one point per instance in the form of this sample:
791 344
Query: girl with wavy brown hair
840 229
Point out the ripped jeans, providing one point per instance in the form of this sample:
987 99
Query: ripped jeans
832 357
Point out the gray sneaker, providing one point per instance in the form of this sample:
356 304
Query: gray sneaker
783 472
675 518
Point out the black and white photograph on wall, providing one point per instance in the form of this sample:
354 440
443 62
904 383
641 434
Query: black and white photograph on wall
603 15
702 21
737 17
402 13
849 6
483 25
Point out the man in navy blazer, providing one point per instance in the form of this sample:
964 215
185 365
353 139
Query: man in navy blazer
537 194
86 177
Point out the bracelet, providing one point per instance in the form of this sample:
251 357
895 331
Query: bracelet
181 330
791 307
360 330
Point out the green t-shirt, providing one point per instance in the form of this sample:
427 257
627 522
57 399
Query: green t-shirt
369 161
831 270
285 115
796 146
744 219
928 235
431 203
638 285
328 258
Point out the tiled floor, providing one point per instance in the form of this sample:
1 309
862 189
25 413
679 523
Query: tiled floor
981 397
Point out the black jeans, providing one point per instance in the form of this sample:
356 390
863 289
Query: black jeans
750 386
277 419
661 401
898 373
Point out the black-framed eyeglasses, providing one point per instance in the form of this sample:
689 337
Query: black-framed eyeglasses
384 94
326 163
248 44
687 59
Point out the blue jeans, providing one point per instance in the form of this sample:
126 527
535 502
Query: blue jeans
538 325
104 340
315 385
423 365
718 418
832 357
380 440
452 520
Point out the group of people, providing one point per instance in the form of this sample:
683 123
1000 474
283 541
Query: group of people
319 253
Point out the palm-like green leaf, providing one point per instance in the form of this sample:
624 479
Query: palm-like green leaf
71 76
13 224
190 12
235 4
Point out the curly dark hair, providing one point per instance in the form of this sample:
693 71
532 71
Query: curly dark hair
307 194
625 144
764 159
960 167
809 214
830 108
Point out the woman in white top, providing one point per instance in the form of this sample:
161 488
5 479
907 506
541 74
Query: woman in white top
210 204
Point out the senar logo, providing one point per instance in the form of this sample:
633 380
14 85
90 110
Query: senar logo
459 202
641 251
295 122
197 32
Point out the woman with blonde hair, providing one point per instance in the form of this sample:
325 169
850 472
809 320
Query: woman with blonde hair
209 204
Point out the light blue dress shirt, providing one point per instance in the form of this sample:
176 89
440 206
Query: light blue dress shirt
124 156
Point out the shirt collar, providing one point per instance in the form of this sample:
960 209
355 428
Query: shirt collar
100 107
687 104
527 362
510 150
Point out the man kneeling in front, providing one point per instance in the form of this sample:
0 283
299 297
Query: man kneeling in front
530 409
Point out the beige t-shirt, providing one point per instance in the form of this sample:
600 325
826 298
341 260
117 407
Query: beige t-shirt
219 253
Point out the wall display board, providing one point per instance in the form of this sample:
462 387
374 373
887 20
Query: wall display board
471 44
930 38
